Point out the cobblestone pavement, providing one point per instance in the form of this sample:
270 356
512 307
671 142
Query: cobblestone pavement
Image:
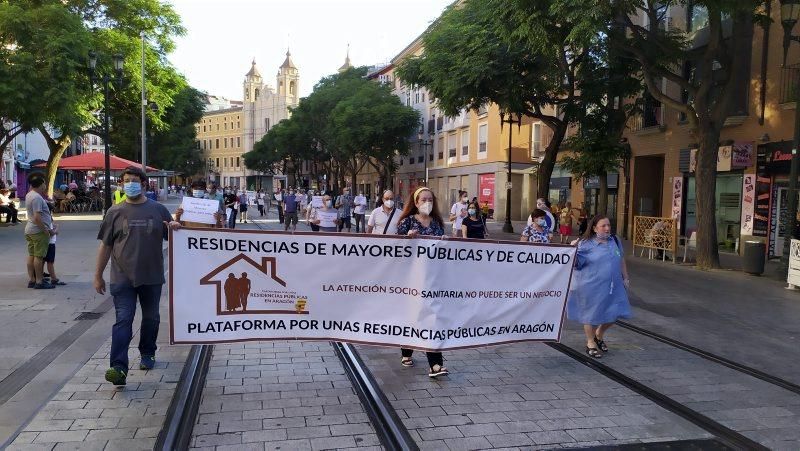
761 411
521 395
280 395
88 413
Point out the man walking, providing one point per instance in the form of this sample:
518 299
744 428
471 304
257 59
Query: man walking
344 204
290 211
37 231
130 236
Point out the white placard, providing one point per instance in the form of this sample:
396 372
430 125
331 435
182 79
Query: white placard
374 289
327 218
199 210
316 201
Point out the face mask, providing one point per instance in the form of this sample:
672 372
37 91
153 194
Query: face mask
426 208
208 190
329 203
603 235
541 222
464 199
132 189
291 193
388 203
198 193
471 212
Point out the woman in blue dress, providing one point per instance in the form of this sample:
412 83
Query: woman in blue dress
598 294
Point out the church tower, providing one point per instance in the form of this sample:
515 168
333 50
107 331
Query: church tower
347 65
288 79
253 84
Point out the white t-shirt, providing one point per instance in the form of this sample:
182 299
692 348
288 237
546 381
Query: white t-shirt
360 203
456 210
378 219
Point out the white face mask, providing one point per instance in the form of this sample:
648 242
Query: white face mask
426 208
198 193
388 203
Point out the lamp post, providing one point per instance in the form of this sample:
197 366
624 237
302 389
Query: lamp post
790 14
424 144
104 81
508 118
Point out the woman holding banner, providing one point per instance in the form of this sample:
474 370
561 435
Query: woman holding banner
326 217
421 217
598 296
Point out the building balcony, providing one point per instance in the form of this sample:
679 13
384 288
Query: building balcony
651 120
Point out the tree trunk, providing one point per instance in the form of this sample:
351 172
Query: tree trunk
602 194
57 149
549 161
706 186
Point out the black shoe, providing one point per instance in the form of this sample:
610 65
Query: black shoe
31 284
44 286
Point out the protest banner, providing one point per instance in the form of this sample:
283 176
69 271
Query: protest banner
327 218
421 293
199 210
316 201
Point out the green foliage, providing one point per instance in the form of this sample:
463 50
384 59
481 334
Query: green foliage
174 147
44 78
347 121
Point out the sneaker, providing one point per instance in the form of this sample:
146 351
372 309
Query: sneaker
44 286
116 376
406 361
31 284
147 362
438 370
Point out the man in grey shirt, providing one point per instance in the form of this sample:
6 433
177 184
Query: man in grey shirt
38 230
131 236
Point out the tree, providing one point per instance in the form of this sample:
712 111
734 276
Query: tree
517 54
707 75
346 123
175 146
44 81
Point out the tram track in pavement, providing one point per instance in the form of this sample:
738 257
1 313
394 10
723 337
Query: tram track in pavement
182 413
724 434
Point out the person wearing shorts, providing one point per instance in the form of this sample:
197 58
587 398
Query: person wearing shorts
38 231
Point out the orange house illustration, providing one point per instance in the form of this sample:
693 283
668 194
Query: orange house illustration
244 286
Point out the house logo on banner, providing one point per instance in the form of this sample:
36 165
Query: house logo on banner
243 286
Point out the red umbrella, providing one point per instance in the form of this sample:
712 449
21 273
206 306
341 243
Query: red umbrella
95 161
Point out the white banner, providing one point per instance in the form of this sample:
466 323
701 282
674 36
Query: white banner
199 210
748 203
421 293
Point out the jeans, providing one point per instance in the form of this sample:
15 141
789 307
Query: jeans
125 296
434 358
232 218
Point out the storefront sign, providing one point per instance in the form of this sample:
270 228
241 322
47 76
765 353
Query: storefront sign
677 198
486 189
381 290
748 203
593 182
742 155
793 277
737 156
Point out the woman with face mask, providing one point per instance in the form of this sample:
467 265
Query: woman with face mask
421 217
598 295
473 226
326 217
537 231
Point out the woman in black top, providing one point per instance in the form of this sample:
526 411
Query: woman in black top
473 225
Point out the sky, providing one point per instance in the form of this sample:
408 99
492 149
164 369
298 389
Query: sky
223 36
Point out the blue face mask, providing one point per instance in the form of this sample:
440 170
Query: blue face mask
132 189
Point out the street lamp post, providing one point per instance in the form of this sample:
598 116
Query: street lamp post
105 80
790 14
424 143
510 120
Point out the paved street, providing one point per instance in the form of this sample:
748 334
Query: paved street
295 395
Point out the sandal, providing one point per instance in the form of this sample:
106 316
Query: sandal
438 370
594 352
601 344
406 361
57 282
